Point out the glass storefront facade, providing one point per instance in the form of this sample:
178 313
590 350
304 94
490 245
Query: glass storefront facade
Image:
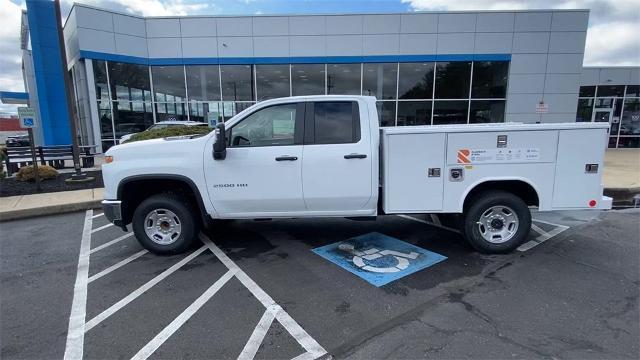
132 97
617 104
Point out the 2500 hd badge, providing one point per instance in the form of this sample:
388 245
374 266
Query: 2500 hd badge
215 186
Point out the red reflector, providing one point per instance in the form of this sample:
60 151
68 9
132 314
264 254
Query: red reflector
592 203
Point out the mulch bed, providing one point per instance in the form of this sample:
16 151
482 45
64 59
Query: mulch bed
12 187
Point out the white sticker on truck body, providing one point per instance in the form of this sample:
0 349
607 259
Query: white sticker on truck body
479 156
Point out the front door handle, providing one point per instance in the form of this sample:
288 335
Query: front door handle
286 158
355 156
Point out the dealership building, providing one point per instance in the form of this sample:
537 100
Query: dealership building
424 68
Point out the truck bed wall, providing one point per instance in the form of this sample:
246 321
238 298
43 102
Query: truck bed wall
551 160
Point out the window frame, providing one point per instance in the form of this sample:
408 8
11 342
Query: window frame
310 122
298 130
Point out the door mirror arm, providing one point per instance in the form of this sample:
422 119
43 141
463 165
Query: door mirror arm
220 146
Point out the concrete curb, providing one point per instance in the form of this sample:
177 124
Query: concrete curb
49 210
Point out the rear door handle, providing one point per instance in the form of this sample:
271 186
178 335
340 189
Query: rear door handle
286 158
355 156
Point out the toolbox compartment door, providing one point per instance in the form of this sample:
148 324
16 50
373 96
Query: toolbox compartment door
408 187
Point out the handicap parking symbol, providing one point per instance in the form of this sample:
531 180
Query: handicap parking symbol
377 258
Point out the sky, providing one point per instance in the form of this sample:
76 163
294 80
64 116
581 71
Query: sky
612 38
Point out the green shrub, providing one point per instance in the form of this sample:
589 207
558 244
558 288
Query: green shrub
170 131
26 173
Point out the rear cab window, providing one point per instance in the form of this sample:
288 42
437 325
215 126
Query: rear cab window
332 122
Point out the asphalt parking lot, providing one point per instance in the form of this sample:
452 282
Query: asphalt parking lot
73 285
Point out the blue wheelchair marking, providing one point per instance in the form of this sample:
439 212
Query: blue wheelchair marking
377 258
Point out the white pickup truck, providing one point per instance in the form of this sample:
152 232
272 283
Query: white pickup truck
325 156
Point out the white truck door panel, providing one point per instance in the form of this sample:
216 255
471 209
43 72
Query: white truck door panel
574 187
251 181
408 186
262 172
336 176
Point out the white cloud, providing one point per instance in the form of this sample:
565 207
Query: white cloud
614 25
146 7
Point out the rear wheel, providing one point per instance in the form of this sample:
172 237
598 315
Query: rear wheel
165 224
496 222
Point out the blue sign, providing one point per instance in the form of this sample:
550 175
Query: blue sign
28 123
377 258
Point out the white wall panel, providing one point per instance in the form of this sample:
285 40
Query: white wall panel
456 43
164 47
530 118
570 21
562 103
559 117
271 46
493 43
567 42
565 63
416 44
381 24
528 64
620 76
533 21
198 27
344 45
419 23
199 47
307 46
526 83
454 23
344 24
270 25
562 83
590 76
235 26
129 25
94 19
307 25
523 103
163 28
531 42
381 44
495 22
94 40
237 46
131 45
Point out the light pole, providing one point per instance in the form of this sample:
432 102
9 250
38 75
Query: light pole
78 176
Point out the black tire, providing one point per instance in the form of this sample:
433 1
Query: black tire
480 205
184 215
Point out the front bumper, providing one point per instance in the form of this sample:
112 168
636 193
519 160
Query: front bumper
113 212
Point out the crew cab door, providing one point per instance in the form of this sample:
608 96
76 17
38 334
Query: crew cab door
261 175
337 159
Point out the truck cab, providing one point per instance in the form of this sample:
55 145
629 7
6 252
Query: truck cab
325 156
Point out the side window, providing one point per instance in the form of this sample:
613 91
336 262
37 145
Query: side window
336 122
270 126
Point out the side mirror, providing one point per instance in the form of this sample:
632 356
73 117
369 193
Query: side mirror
220 146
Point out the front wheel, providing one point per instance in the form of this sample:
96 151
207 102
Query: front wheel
496 222
165 224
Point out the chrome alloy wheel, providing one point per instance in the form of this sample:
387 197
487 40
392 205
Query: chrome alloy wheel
498 224
162 226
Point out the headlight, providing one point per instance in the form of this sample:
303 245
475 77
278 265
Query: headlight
108 159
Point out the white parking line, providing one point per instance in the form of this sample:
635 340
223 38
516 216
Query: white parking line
129 298
159 339
75 334
257 336
98 248
296 331
544 235
101 228
116 266
97 215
